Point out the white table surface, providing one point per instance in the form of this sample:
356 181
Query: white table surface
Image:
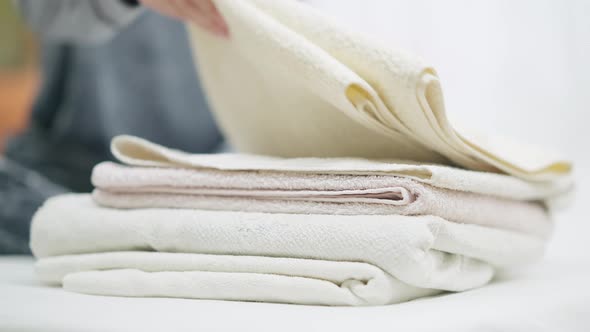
552 296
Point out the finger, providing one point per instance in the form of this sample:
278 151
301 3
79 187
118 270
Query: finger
207 14
199 18
214 12
206 7
181 9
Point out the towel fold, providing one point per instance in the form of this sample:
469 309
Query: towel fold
135 151
338 194
227 277
295 258
301 85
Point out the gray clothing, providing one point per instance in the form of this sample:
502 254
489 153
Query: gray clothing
139 81
83 21
22 191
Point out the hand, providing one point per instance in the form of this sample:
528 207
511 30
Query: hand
201 12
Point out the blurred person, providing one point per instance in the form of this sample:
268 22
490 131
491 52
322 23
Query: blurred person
109 67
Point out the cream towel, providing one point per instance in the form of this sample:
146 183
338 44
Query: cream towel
292 83
136 151
309 259
150 187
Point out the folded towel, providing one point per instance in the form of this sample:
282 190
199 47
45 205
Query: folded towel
301 85
135 151
338 194
294 258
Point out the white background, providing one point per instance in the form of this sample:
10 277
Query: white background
520 68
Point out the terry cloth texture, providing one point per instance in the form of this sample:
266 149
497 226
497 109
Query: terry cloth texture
136 151
301 85
127 187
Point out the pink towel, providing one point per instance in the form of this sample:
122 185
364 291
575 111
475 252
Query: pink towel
121 186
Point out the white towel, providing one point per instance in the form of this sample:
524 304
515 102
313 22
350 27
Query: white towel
290 82
294 258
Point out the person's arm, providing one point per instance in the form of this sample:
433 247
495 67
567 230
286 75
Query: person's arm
85 21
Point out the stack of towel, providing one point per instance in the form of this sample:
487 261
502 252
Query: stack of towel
313 231
334 230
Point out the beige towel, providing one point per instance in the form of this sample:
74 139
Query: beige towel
135 151
290 82
337 194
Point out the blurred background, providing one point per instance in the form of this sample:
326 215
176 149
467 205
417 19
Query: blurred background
519 68
19 72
